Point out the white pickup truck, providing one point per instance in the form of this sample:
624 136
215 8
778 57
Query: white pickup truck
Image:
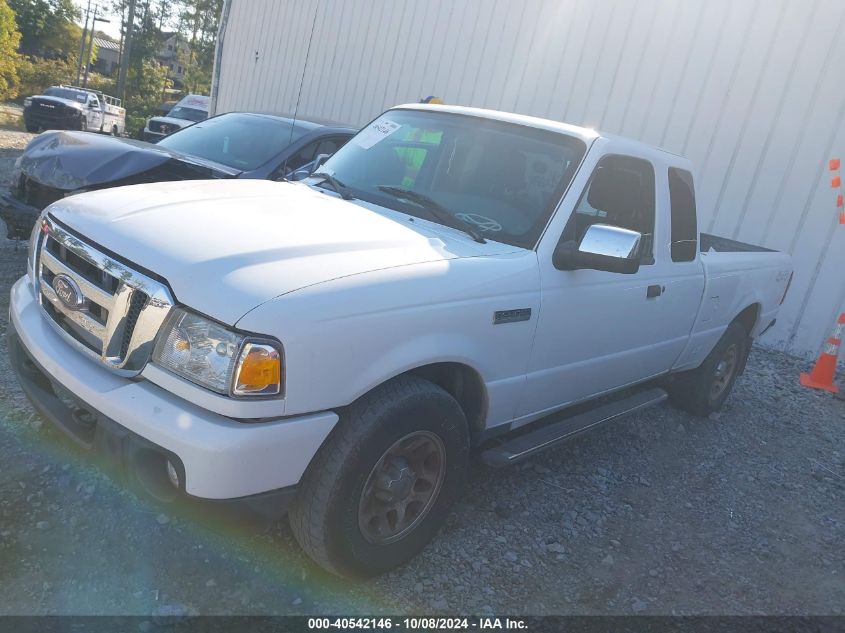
451 281
73 108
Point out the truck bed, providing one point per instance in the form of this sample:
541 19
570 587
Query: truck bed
727 245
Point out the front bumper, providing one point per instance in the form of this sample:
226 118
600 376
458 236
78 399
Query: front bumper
18 216
59 121
143 426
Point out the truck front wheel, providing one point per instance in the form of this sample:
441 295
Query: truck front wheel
704 390
384 481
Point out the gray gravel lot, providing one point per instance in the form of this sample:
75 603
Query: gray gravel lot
661 513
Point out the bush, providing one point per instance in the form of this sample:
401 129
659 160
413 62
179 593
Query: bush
36 74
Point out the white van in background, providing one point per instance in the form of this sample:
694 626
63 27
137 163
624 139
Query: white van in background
189 110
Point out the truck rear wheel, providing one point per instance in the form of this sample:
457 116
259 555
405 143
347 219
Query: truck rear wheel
384 481
704 390
32 128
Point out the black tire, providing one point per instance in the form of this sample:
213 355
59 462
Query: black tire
704 390
32 128
327 512
114 131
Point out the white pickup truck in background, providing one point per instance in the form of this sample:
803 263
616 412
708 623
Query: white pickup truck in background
73 108
452 280
188 110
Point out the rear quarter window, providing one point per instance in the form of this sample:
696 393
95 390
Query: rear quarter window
684 224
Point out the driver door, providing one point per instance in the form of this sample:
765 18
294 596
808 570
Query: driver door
94 113
597 330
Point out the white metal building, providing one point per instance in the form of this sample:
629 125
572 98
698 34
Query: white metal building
751 90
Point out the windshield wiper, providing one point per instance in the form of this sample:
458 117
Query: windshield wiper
435 209
339 187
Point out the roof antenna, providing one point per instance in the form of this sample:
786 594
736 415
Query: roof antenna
301 81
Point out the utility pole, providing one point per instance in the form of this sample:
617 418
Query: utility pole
91 43
127 50
122 33
82 45
90 46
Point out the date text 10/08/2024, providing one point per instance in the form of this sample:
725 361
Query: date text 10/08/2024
421 623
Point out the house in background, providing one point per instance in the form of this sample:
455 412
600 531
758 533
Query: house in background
108 56
173 55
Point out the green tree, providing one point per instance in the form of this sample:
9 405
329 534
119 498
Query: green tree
47 27
39 74
144 93
198 23
10 61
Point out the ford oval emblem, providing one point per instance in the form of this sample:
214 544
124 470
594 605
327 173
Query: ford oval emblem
68 292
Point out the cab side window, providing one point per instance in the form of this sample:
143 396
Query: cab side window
684 224
620 193
326 145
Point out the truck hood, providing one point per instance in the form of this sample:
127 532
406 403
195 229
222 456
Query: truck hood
73 160
226 246
175 122
65 102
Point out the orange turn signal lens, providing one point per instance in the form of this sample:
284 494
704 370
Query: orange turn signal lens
259 371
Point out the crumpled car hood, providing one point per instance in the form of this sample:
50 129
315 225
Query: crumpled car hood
73 160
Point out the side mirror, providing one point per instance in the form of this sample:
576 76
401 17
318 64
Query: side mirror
309 168
603 247
92 106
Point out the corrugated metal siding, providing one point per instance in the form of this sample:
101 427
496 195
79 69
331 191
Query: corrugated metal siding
751 91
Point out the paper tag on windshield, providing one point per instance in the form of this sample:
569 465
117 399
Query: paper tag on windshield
375 133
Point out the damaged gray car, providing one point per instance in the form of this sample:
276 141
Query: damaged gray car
233 145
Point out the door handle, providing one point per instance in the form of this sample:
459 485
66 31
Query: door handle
654 291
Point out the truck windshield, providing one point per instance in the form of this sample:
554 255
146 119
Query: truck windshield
502 179
191 114
66 93
239 140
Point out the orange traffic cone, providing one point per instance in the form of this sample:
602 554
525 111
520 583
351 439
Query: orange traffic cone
822 375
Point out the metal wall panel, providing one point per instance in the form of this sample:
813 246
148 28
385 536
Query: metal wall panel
750 90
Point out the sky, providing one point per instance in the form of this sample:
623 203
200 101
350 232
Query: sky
112 28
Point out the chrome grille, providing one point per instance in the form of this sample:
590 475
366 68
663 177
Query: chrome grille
120 310
158 126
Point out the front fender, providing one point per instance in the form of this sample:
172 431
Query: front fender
343 338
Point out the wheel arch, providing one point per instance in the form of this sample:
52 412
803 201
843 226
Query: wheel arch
748 317
465 385
461 381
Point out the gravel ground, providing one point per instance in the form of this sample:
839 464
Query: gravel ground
660 513
11 144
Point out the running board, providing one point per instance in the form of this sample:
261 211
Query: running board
530 443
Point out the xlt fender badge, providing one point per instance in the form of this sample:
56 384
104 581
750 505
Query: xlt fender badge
511 316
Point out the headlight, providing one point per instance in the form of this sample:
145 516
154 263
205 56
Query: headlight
213 356
27 102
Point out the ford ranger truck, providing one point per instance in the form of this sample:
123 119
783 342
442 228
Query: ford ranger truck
452 281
